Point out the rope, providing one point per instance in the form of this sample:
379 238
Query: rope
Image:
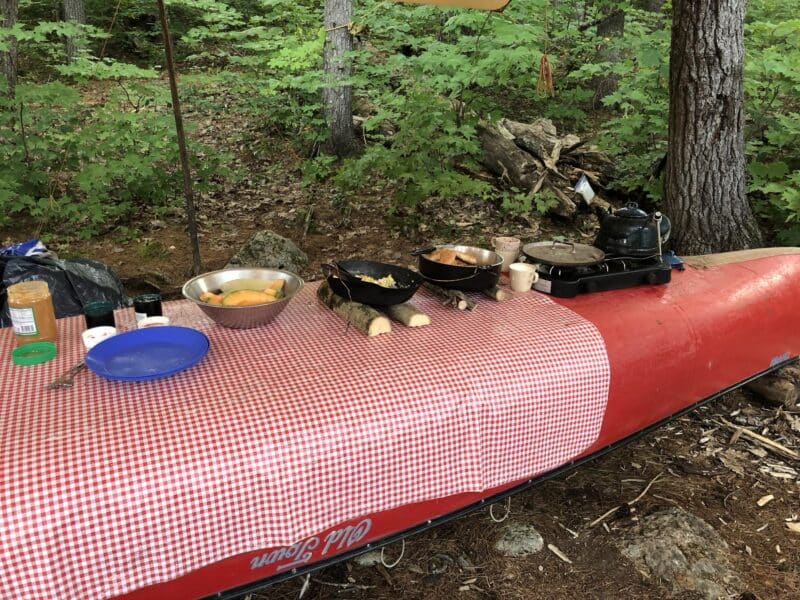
505 516
544 85
399 558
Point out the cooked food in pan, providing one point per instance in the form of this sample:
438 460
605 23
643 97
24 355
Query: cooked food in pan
448 256
387 281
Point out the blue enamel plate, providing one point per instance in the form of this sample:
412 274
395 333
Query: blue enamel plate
145 354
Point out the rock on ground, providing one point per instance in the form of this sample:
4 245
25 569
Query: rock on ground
368 559
682 551
518 539
272 251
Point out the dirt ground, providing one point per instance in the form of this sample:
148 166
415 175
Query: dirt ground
701 471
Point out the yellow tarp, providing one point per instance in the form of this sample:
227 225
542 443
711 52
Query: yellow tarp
479 4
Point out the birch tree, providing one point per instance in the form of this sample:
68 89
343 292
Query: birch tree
337 94
74 12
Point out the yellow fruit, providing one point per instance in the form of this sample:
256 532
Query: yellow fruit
211 298
246 298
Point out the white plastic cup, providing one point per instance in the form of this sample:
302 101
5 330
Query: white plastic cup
95 335
523 276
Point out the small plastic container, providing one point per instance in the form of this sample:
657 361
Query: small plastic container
153 322
95 335
30 306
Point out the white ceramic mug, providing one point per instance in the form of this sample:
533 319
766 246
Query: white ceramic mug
523 276
508 248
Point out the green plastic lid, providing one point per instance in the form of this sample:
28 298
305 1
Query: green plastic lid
33 353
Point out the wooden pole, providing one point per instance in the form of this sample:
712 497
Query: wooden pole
176 107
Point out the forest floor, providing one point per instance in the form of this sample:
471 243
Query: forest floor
718 481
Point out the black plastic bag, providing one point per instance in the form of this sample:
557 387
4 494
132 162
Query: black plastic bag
73 283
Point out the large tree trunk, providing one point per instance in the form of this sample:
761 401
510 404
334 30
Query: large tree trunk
10 11
337 97
705 177
73 12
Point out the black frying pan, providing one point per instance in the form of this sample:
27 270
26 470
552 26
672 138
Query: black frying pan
343 278
470 278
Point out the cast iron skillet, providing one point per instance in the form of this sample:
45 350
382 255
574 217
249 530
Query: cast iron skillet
342 277
472 278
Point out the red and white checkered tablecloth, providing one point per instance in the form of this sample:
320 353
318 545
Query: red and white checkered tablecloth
277 434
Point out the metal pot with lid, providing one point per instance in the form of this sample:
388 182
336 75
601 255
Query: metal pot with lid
563 254
630 231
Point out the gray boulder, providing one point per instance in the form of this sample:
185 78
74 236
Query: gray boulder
368 559
271 251
684 552
518 539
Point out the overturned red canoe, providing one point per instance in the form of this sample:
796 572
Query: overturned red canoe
260 464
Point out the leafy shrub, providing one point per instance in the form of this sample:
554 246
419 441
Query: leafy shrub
772 85
68 165
422 157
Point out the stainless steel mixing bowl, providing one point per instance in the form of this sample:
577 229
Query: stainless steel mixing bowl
242 317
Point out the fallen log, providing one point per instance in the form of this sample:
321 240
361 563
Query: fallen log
506 160
454 298
774 390
497 293
779 388
519 168
408 314
364 318
538 138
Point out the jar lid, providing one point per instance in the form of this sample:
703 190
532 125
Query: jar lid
33 353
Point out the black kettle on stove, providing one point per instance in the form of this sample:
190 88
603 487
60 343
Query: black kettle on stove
630 231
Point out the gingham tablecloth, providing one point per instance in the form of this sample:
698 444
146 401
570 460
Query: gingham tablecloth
279 433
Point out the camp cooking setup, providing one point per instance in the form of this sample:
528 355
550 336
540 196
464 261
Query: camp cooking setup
262 427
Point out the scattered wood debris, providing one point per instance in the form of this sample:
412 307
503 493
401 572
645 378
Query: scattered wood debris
558 553
764 500
454 298
769 444
610 512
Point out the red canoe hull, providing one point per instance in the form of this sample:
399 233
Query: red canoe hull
718 324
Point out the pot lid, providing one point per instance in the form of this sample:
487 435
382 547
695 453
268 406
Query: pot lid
563 254
631 211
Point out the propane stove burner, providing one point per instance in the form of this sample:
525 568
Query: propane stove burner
567 269
611 273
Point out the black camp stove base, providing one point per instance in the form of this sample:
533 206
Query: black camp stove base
601 282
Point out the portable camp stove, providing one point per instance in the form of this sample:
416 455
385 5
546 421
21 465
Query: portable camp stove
566 270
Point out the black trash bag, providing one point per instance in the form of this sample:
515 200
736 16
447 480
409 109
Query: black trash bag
73 283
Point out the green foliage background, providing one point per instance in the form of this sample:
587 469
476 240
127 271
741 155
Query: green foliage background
422 78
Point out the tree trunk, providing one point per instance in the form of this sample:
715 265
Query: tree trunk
705 175
337 98
10 11
612 25
73 13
